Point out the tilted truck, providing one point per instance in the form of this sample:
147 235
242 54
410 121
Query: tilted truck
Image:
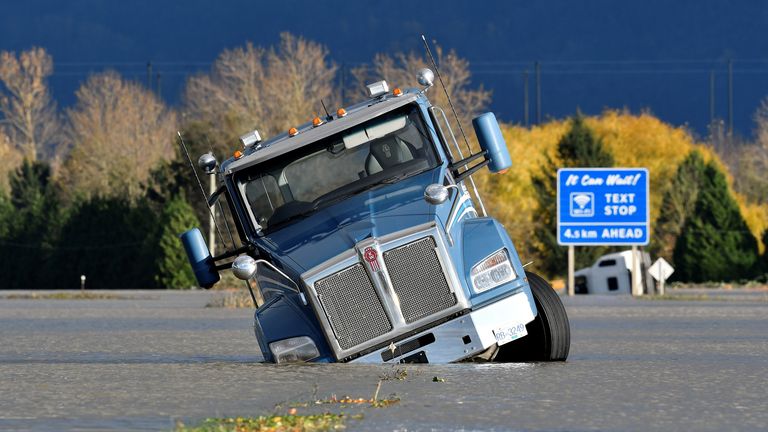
365 241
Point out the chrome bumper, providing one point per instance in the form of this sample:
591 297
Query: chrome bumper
460 338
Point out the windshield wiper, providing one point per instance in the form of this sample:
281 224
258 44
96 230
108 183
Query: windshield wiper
335 198
398 177
290 218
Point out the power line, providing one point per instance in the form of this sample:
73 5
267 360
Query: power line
48 247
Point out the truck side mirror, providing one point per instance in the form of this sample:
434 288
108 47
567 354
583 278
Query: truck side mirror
490 139
200 258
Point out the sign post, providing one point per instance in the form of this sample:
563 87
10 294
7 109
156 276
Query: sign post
661 270
571 270
603 206
637 285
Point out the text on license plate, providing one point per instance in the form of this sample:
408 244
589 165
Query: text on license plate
508 333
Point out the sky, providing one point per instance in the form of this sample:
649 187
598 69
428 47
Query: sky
651 55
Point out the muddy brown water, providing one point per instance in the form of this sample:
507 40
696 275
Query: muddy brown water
143 364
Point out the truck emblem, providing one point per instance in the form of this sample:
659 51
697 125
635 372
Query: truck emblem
372 258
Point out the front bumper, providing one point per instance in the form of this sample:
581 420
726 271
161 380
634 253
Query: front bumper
460 338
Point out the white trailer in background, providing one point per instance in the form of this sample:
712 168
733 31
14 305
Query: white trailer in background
612 274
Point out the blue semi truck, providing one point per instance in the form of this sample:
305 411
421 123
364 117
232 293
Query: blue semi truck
362 234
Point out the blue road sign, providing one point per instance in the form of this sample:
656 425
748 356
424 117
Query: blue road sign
602 206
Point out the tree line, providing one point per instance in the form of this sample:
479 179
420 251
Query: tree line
101 189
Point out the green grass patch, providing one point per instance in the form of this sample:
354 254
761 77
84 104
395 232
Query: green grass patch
293 421
272 423
80 295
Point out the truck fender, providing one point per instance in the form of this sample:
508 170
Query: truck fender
284 316
481 237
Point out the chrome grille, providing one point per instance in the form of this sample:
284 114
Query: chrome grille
352 306
418 279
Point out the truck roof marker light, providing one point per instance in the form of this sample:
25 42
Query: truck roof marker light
251 138
397 91
341 112
379 88
317 121
293 131
238 154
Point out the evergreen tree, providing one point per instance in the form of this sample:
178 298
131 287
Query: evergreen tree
111 240
173 270
31 225
579 147
6 215
678 204
715 243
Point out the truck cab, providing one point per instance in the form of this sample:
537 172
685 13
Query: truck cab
612 274
368 242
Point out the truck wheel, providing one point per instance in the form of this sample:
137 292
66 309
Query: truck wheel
549 335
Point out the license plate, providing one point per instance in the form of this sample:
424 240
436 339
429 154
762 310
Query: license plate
508 333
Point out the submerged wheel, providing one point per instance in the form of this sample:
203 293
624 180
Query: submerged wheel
549 335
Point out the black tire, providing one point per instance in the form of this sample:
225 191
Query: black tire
549 335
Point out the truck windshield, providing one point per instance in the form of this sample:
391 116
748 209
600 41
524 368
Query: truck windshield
382 150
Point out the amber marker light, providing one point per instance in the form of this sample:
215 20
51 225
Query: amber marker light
238 154
293 131
341 112
397 91
316 122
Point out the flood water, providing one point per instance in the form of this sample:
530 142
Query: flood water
142 364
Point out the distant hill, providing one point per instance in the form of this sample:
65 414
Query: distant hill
653 54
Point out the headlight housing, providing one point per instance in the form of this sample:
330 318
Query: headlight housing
492 271
293 350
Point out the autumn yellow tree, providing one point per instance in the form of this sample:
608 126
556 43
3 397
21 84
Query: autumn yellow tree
271 89
29 117
118 132
636 140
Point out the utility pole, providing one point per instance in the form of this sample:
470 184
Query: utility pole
730 97
149 75
526 119
538 92
711 98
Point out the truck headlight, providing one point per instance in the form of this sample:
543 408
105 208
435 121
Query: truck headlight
492 271
292 350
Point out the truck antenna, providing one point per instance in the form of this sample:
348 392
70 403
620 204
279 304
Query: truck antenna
442 84
199 183
218 202
328 116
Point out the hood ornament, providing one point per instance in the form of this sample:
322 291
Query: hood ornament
372 258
